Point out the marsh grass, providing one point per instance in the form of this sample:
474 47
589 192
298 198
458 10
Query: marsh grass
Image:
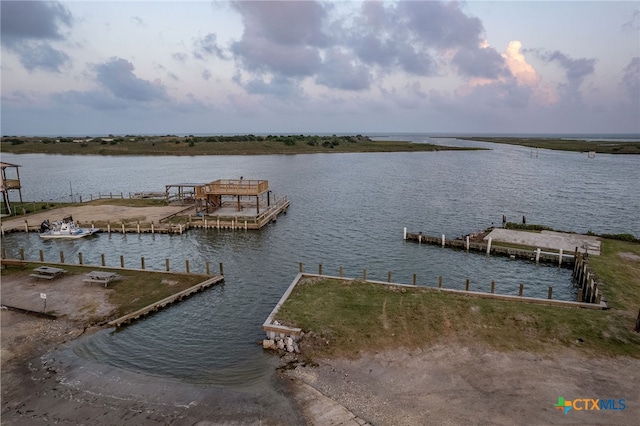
576 145
180 146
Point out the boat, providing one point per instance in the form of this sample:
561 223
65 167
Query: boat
65 228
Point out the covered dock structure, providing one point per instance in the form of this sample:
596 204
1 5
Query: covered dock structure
10 182
239 193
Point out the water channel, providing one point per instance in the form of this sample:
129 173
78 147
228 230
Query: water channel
346 210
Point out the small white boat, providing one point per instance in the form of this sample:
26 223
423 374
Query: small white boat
65 228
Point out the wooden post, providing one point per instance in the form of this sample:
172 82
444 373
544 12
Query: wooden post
489 245
207 267
138 226
108 228
123 228
467 243
440 281
442 240
61 256
364 274
26 226
4 252
80 258
153 231
415 279
142 262
102 259
466 285
404 234
493 286
389 277
520 290
300 267
21 254
180 228
1 229
186 265
637 328
221 269
41 256
121 261
549 293
579 298
537 255
340 271
320 269
560 258
166 264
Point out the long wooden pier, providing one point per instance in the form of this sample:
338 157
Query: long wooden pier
154 307
560 258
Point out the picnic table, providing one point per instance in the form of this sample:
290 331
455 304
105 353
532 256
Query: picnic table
47 272
101 277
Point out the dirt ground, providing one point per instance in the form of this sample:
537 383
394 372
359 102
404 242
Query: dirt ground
44 382
99 213
461 385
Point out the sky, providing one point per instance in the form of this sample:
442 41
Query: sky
217 67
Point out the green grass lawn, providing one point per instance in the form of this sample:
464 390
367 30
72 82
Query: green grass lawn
354 316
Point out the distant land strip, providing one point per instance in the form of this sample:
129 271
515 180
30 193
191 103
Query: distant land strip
576 145
210 145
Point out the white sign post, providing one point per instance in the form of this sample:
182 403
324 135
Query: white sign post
43 296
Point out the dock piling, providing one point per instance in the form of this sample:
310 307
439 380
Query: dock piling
61 256
520 290
142 262
415 279
466 285
80 258
550 292
121 261
440 281
404 234
300 267
221 270
489 246
166 264
320 269
340 273
186 265
364 274
41 255
389 277
102 259
493 286
207 267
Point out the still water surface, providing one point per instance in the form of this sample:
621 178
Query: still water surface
346 209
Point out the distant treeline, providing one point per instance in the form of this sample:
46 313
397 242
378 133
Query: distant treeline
210 145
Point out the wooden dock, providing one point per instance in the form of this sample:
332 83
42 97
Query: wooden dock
154 307
559 258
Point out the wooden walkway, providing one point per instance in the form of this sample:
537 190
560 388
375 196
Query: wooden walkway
154 307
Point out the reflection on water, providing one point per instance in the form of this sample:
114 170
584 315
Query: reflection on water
346 210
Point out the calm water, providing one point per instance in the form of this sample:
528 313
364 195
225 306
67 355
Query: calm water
346 209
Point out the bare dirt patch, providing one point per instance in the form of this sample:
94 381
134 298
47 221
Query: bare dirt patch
87 214
629 256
